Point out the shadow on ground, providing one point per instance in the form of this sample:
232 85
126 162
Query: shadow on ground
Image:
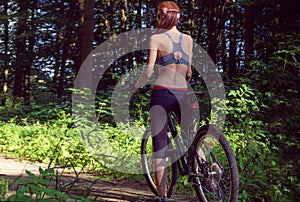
97 188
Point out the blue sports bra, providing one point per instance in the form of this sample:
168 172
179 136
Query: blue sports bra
170 58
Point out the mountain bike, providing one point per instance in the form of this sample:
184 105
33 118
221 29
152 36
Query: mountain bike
204 156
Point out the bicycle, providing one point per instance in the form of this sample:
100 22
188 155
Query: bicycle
207 160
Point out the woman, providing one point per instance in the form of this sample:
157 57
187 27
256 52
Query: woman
171 52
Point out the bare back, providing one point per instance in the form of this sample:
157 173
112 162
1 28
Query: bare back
172 75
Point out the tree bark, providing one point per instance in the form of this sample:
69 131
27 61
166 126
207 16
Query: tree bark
212 32
30 57
24 52
191 18
20 53
86 29
223 45
232 46
61 76
249 34
6 56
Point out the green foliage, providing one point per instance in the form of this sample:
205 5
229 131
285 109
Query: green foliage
58 143
257 157
139 105
262 107
262 124
278 81
248 141
37 188
4 183
34 113
118 148
41 142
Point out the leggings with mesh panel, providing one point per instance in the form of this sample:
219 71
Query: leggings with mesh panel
162 103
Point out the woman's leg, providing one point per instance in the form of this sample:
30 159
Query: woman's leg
161 105
161 176
160 141
159 109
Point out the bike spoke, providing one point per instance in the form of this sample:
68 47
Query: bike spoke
213 165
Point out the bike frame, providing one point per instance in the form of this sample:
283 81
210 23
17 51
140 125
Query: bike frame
192 153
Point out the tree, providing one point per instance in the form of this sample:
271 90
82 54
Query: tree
232 71
30 54
86 29
25 42
20 50
6 55
212 29
249 32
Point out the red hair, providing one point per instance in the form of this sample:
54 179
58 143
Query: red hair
168 15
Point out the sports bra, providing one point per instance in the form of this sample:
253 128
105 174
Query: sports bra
170 58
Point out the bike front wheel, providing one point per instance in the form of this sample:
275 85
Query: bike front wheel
149 167
214 167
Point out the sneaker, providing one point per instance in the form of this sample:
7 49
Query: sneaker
216 171
211 183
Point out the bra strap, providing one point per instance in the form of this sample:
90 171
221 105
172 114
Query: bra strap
169 36
180 37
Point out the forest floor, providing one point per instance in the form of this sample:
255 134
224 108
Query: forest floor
102 188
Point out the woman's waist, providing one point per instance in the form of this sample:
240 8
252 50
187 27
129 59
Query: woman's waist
162 87
170 83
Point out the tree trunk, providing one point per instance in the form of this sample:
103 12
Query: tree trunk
224 57
6 56
26 80
232 46
56 66
20 54
24 52
212 32
191 18
30 57
108 18
139 15
249 34
86 29
61 77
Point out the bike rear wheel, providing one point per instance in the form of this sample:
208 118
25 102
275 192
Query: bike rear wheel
148 165
214 167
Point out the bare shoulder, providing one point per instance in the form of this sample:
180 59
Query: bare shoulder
187 38
155 40
157 37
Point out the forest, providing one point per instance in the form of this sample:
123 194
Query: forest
255 45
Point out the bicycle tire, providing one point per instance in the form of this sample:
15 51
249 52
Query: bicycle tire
223 183
146 156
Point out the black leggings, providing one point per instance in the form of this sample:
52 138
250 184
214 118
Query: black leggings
162 103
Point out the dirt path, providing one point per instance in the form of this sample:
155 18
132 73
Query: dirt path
105 190
123 190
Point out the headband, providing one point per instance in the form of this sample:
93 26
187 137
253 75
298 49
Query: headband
166 10
173 10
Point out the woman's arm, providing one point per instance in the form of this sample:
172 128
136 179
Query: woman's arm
150 64
189 71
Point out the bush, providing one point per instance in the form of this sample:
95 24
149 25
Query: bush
37 188
263 169
59 144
